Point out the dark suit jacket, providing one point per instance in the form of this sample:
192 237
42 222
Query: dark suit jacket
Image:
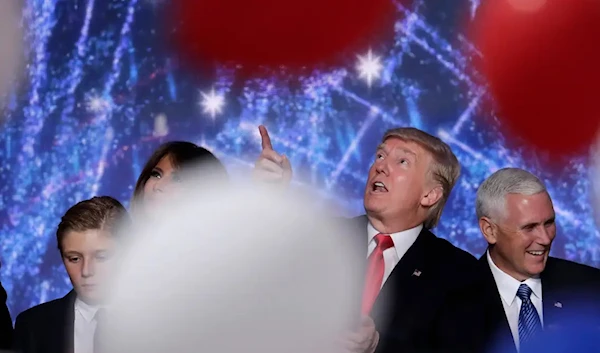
408 309
46 328
571 306
6 328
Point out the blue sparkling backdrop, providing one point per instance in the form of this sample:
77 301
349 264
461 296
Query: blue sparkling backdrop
101 92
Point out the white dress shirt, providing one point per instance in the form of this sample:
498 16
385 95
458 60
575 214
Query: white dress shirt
84 327
402 242
508 287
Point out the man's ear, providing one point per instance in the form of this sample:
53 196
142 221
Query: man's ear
488 229
432 197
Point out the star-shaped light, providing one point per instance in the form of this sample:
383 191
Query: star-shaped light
369 67
97 104
212 103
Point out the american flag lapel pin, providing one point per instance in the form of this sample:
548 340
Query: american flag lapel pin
416 272
558 305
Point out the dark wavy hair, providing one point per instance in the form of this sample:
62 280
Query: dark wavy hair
182 154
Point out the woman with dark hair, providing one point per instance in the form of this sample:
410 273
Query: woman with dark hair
171 163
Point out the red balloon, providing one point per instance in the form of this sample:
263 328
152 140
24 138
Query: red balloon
541 59
274 33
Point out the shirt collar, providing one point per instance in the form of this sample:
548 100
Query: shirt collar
402 240
87 311
508 285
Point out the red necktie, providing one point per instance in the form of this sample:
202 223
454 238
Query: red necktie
375 269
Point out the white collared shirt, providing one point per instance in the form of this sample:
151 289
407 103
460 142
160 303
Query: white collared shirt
508 287
402 242
84 327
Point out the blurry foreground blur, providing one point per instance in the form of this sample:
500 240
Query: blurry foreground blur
234 269
11 46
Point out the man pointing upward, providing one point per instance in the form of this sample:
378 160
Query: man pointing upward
410 274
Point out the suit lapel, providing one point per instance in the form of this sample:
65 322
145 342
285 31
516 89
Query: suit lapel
497 327
66 343
404 283
552 301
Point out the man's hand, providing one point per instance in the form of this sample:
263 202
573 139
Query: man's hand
271 167
364 340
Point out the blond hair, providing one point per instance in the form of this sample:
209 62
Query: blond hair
444 170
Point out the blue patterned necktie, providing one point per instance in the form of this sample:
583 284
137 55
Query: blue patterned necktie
529 320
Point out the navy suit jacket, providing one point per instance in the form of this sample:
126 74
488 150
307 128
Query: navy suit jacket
47 328
571 309
408 312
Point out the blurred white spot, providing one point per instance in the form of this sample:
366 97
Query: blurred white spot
11 44
96 103
373 111
226 269
161 128
527 5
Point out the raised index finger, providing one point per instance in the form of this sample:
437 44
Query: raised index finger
266 140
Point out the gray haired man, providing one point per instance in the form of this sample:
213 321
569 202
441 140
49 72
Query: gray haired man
523 290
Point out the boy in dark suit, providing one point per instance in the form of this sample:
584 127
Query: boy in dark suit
86 241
